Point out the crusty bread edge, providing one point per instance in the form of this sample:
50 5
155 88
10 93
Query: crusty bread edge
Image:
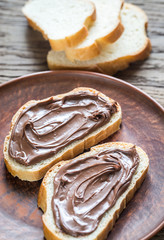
93 50
42 196
69 41
116 65
69 152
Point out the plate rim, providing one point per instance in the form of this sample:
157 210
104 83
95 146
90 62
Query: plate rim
111 78
89 73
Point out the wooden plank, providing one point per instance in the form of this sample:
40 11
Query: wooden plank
24 51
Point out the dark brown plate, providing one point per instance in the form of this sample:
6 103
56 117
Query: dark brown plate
143 125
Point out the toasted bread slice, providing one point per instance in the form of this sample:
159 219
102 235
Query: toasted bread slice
106 29
133 45
64 23
37 171
51 231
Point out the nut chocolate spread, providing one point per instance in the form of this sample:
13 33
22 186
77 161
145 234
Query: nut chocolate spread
46 127
84 189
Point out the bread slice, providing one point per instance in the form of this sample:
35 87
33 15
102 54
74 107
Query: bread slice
108 220
106 29
64 23
38 170
133 45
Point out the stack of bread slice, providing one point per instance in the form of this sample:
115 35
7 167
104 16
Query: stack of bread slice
97 35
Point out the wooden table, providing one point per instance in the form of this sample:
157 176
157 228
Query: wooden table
23 51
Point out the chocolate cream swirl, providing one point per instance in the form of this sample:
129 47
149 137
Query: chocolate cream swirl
84 189
46 127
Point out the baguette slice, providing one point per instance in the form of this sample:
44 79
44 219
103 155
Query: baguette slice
38 170
64 23
51 231
133 45
106 29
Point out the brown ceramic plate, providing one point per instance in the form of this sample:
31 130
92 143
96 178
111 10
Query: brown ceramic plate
143 125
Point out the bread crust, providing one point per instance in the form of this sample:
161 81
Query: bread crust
111 67
30 174
93 50
42 197
119 64
69 41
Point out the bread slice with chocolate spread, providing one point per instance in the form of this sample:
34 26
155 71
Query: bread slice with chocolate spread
74 196
36 142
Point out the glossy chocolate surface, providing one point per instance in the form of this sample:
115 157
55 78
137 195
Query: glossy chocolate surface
46 127
84 189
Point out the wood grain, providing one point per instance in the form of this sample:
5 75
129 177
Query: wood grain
23 51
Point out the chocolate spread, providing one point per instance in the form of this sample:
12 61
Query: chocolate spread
84 189
46 127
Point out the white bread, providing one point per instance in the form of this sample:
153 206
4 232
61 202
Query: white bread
64 23
51 231
133 45
38 170
106 29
